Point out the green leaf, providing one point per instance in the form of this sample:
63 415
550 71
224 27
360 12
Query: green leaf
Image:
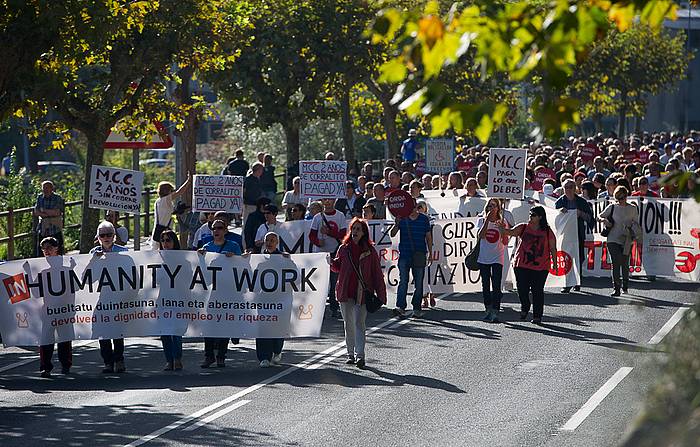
393 71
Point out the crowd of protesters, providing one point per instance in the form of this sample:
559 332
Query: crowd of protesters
571 172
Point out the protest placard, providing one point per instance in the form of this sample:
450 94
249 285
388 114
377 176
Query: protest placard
507 173
439 155
115 189
400 203
212 193
322 179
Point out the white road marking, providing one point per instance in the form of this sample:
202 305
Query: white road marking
217 415
596 399
35 359
668 327
336 349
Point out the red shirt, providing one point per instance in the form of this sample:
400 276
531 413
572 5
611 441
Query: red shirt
533 250
649 193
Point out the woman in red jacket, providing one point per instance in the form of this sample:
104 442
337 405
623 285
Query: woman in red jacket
357 255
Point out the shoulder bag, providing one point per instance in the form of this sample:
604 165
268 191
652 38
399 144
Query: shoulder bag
372 302
605 232
472 259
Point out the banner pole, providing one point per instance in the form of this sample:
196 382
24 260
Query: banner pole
137 215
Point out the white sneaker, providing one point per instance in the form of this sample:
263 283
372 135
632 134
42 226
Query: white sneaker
265 364
277 359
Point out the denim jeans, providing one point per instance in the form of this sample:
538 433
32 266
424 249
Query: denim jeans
491 275
172 347
418 274
266 347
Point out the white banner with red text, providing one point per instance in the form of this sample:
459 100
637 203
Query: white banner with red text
151 293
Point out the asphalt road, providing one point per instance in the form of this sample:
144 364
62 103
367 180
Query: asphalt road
448 379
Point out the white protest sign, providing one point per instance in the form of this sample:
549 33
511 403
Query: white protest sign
322 179
115 189
506 173
212 193
152 293
439 155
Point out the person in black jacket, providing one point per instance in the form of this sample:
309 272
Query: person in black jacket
237 166
352 204
252 190
572 201
252 223
268 184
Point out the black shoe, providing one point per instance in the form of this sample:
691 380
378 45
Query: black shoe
360 363
577 288
46 374
625 290
565 290
108 369
537 321
208 361
65 370
615 292
523 316
220 363
350 361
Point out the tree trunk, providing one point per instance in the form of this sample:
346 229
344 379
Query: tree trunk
346 124
598 122
291 135
389 113
622 117
638 125
96 137
189 132
503 135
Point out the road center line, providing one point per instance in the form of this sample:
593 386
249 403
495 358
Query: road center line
596 399
217 415
303 365
668 327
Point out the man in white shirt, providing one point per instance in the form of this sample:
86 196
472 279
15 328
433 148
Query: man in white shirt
270 224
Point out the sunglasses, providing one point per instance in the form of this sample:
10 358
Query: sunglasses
106 234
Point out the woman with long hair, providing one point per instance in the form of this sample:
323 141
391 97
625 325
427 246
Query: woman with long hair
492 248
622 220
358 268
172 344
536 249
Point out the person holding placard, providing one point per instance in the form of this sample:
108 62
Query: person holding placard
112 351
415 248
535 251
165 206
328 228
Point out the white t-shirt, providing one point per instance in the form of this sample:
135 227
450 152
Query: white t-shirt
200 234
492 248
335 221
263 230
292 199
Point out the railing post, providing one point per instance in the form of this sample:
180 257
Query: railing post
147 217
10 234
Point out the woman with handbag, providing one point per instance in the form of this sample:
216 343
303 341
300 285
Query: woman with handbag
360 287
492 247
537 247
621 229
415 247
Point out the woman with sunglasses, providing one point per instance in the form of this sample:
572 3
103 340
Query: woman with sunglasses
492 247
293 197
229 248
112 351
535 251
172 344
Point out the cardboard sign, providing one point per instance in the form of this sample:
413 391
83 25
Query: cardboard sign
322 179
115 189
589 152
540 177
212 193
400 203
439 155
507 173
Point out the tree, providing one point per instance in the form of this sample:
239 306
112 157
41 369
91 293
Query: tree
518 39
623 69
109 66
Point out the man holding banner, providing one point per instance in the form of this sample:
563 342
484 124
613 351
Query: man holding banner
572 201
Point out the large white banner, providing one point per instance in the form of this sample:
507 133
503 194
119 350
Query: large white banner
507 173
671 240
115 189
212 193
149 293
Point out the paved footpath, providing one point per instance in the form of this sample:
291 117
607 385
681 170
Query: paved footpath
448 379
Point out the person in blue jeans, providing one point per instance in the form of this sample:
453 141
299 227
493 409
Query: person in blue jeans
229 248
415 248
172 344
